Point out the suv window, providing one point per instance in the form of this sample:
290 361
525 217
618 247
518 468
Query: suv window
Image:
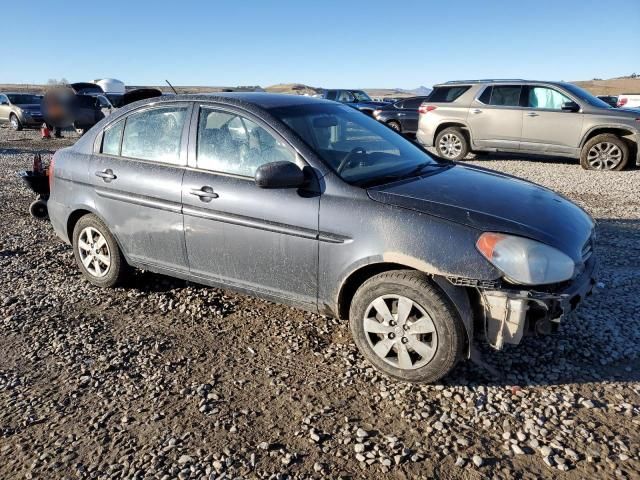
230 143
505 95
346 96
486 95
111 139
545 97
154 134
447 94
332 94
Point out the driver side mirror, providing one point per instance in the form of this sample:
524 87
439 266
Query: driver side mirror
280 175
570 107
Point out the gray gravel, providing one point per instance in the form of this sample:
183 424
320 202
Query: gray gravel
166 379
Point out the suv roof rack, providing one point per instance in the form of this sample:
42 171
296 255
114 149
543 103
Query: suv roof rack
486 80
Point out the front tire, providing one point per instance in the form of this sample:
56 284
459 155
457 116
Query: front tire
452 144
406 327
97 253
395 126
604 152
15 122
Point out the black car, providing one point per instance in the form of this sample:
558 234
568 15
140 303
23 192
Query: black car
402 116
609 100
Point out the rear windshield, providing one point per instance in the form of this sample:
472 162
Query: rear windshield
447 94
24 99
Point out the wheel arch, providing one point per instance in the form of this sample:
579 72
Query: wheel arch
453 124
82 211
623 132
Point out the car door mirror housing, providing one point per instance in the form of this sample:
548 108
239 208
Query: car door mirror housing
280 175
570 107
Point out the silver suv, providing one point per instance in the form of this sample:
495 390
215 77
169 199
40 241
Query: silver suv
551 118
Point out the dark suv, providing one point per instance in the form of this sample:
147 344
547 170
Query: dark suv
354 98
308 202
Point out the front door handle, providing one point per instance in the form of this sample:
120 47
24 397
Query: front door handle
205 193
476 111
106 175
532 114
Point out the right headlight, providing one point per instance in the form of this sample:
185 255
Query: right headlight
525 261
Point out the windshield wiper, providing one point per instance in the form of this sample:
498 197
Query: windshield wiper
417 171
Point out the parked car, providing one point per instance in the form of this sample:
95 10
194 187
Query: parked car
629 100
401 116
354 98
551 118
306 202
20 110
610 100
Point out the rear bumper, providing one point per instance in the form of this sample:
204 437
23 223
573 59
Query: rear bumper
510 314
58 215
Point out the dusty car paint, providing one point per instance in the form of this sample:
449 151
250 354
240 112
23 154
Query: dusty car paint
306 247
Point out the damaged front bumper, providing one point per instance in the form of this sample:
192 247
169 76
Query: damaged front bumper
508 314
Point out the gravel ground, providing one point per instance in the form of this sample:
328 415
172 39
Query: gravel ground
167 379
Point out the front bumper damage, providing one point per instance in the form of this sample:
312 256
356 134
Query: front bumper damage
509 314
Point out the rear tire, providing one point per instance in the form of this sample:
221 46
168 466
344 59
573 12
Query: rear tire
418 338
604 152
15 122
97 253
395 126
451 144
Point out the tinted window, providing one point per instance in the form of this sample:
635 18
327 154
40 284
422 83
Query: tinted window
373 153
543 97
111 139
230 143
506 95
24 99
413 103
154 134
332 94
447 94
486 96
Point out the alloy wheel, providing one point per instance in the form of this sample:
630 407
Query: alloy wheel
604 156
94 252
14 122
450 145
400 332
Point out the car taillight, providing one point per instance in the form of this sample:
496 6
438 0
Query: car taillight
426 109
622 101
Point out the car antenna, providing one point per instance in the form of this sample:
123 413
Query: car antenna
174 90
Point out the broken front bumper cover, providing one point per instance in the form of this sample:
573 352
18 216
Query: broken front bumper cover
511 313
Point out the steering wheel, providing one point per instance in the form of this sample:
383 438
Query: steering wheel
347 158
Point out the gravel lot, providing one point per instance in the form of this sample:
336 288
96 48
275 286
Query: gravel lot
166 379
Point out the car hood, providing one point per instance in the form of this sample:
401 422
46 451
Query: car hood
490 201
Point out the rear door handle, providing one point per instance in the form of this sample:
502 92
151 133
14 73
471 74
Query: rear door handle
107 175
532 114
205 193
476 111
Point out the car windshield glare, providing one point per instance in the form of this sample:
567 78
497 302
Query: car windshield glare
359 149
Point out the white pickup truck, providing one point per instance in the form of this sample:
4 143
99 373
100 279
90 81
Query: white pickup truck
629 100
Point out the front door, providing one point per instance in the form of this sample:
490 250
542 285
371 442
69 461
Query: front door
237 234
137 176
495 118
545 126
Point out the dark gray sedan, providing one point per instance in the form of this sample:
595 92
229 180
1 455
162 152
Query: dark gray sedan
308 202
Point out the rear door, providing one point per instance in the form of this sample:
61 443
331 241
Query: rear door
237 234
409 114
137 176
546 128
495 117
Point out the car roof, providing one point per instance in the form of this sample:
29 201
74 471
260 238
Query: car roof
497 80
260 99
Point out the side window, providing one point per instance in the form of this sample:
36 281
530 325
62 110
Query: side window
447 94
154 134
486 96
3 99
111 139
543 97
506 95
346 96
332 94
230 143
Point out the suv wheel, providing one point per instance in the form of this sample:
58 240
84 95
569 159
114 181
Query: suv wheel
604 152
451 144
97 253
393 125
406 327
15 122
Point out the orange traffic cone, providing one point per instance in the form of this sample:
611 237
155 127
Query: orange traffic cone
44 131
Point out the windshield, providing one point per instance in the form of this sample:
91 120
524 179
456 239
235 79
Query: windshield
359 149
586 96
361 96
24 99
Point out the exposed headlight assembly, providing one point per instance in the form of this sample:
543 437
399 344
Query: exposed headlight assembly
525 261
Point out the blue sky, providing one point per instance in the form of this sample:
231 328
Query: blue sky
324 43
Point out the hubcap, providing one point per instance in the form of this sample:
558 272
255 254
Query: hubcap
14 122
394 126
604 156
94 252
400 332
450 145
